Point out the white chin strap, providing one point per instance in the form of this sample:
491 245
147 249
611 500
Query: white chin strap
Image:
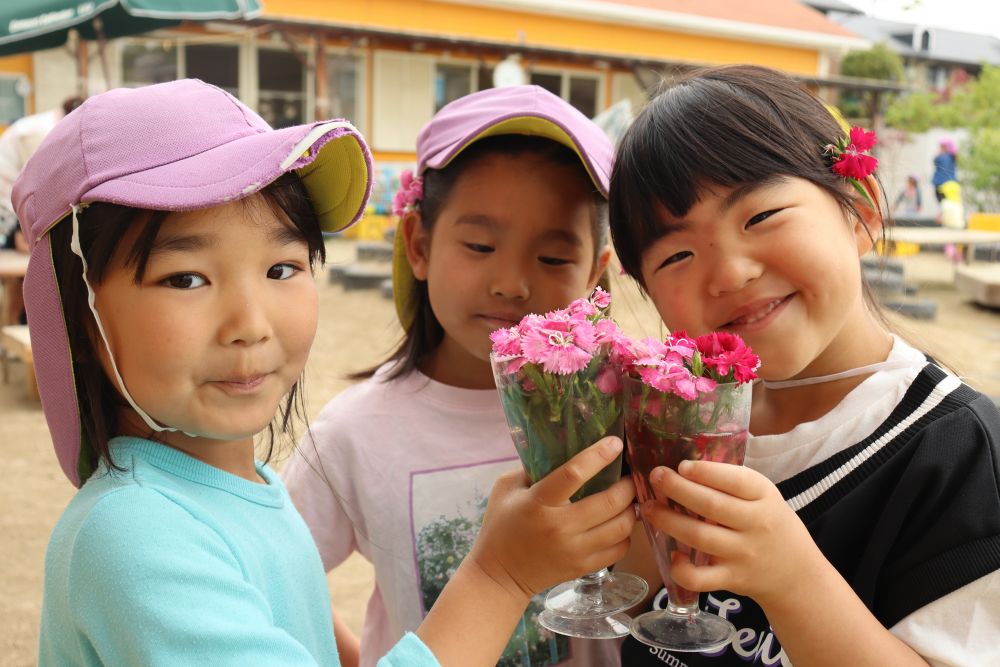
78 251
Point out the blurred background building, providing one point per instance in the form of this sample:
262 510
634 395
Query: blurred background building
388 65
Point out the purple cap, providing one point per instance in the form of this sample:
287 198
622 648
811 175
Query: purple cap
530 110
174 146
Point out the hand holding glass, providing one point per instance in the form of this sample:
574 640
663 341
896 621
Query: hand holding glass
552 418
663 429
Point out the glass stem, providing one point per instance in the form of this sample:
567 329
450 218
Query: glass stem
589 585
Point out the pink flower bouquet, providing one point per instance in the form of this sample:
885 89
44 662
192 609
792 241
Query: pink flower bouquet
560 381
687 399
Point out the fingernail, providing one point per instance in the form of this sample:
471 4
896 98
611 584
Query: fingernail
685 467
612 447
657 474
637 510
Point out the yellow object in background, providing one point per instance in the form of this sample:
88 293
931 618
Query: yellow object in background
371 227
985 221
899 248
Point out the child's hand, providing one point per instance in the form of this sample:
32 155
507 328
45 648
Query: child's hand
759 547
533 537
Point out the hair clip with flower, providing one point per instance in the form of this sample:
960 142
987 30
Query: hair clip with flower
850 159
411 191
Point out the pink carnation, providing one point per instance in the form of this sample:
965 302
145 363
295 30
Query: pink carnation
506 343
726 353
601 299
411 191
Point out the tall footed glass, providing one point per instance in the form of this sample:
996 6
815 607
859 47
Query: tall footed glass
663 429
552 417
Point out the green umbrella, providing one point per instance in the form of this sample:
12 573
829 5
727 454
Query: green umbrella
33 25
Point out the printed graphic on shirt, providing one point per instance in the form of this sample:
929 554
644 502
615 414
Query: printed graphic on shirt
754 643
446 511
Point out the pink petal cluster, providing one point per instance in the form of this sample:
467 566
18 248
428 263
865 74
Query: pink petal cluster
562 341
728 356
852 160
411 191
688 366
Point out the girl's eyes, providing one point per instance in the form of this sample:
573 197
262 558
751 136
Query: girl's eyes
185 281
761 217
479 247
554 261
676 257
282 271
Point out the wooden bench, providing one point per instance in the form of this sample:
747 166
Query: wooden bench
980 282
16 344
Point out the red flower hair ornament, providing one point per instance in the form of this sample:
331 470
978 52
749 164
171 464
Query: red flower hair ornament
850 159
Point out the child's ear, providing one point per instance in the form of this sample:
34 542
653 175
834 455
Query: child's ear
417 242
868 226
603 259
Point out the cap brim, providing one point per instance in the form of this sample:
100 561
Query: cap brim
331 158
531 125
50 350
403 280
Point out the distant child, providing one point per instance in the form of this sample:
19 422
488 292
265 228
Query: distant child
908 202
945 166
506 215
865 527
172 305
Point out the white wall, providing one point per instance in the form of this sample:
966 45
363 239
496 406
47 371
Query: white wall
902 154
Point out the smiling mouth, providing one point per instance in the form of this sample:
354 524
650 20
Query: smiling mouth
758 315
242 385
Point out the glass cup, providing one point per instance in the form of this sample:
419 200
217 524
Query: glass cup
663 429
551 419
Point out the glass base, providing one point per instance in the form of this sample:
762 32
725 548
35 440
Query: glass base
596 596
699 632
602 627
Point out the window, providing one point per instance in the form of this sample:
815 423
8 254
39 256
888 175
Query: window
550 82
148 62
343 87
218 64
12 94
450 83
281 86
485 77
583 94
580 90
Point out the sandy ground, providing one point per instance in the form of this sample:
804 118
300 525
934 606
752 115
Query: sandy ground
358 328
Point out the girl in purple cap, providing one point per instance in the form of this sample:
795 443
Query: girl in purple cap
506 215
172 305
865 527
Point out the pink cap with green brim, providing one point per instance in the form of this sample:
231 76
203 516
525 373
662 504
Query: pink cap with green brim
528 110
174 146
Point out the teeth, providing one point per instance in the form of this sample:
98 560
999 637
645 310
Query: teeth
750 319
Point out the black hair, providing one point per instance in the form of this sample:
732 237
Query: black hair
424 333
729 126
102 226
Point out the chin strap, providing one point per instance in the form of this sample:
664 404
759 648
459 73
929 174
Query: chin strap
860 370
91 297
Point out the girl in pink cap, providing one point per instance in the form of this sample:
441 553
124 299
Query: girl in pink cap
506 215
864 528
172 306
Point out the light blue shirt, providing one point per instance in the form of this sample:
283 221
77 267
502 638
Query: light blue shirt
176 562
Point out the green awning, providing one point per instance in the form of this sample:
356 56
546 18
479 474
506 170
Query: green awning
33 25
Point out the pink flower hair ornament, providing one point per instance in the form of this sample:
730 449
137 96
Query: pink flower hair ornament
850 159
409 195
